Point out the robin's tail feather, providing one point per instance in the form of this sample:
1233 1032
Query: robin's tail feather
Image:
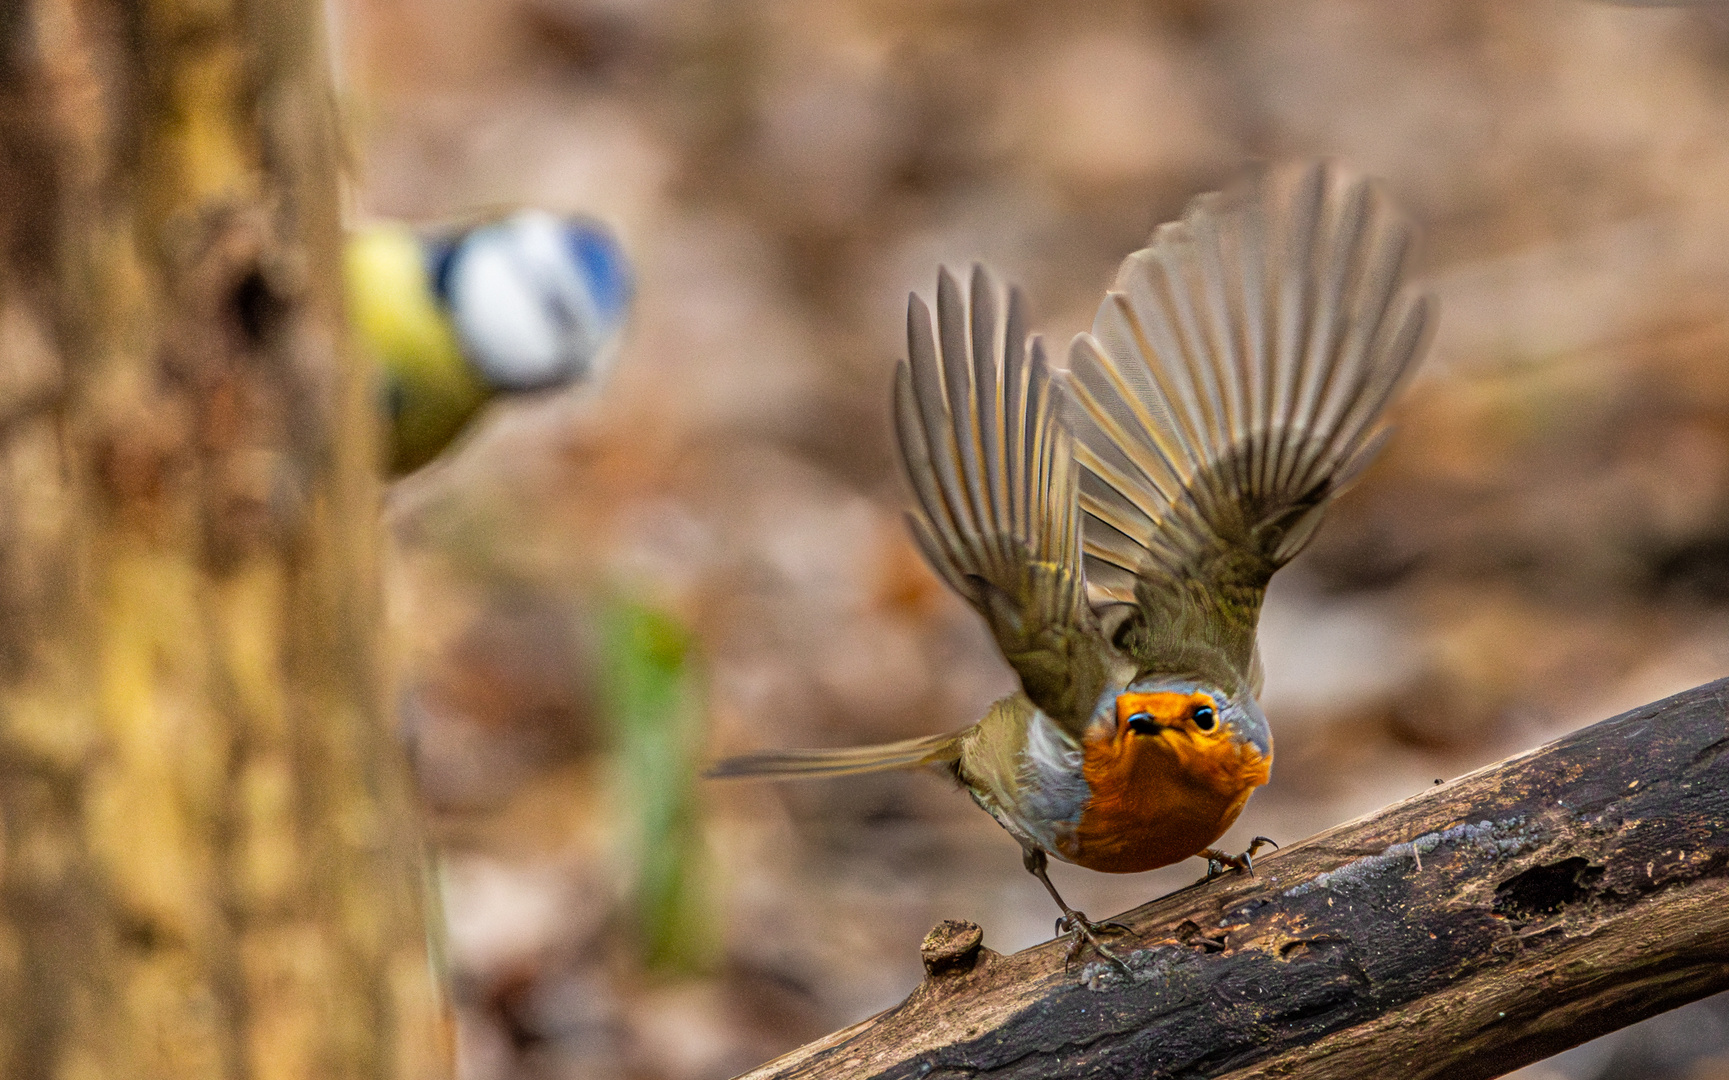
909 754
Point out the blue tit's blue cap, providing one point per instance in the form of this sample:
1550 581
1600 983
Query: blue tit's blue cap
608 272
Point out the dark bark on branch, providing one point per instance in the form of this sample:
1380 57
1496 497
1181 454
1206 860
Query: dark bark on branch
1477 927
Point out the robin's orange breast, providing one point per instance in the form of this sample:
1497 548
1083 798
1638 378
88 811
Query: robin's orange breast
1158 799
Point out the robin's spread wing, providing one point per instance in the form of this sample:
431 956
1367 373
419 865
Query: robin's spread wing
977 414
1231 386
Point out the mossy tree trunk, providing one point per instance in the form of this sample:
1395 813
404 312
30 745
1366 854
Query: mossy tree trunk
208 866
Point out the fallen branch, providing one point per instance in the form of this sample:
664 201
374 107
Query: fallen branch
1474 928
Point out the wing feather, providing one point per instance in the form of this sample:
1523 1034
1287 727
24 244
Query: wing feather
1234 380
978 416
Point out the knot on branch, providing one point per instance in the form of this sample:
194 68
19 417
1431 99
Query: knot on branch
952 946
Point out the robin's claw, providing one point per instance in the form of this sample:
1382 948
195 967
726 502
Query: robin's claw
1066 924
1086 932
1219 861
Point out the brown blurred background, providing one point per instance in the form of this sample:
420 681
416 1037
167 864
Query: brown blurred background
1545 543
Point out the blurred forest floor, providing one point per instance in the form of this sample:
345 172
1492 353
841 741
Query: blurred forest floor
1545 542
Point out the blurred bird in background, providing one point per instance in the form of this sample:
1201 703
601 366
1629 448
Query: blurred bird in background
1231 387
528 302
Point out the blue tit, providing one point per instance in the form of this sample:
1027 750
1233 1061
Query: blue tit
529 302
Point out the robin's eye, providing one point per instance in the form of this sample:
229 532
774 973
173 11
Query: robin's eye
1204 718
1143 724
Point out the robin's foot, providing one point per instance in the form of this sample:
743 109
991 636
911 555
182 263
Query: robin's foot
1086 932
1218 861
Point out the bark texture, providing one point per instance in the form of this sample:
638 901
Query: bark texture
207 861
1462 933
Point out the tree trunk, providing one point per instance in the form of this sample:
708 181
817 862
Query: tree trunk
208 863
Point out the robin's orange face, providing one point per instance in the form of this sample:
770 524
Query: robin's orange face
1183 735
1165 783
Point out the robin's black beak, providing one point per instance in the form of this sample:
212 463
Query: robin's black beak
1143 724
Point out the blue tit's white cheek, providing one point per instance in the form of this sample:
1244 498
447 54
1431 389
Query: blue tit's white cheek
522 303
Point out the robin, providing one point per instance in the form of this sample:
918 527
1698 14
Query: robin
1116 525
